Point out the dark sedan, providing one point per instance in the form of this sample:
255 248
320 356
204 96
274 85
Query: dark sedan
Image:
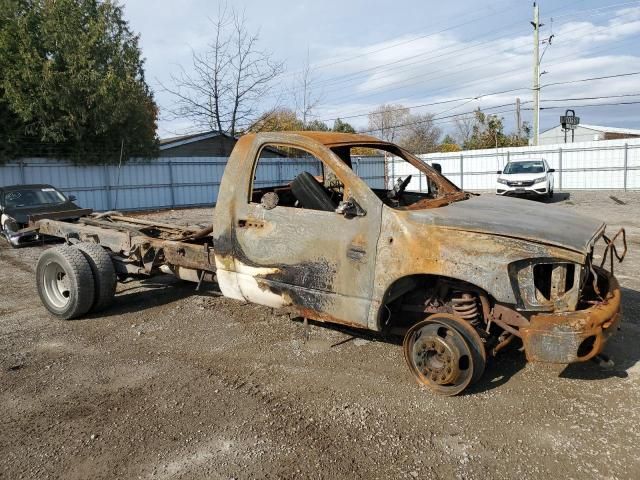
21 205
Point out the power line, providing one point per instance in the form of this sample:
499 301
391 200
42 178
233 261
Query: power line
591 105
449 73
434 119
435 33
542 108
629 74
487 78
336 80
604 7
453 27
590 98
345 78
364 114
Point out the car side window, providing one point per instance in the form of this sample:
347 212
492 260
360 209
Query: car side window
286 176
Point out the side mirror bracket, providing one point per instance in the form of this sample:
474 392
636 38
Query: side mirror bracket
350 208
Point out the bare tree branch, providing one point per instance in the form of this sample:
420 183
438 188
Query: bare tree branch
225 84
305 97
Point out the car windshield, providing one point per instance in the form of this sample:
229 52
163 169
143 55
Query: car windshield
31 197
524 167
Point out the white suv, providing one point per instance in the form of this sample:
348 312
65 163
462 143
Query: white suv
526 177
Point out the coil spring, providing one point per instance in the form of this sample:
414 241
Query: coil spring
466 306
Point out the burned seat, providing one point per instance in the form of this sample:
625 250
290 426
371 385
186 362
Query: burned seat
311 194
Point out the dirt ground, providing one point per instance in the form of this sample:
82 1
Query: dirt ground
170 383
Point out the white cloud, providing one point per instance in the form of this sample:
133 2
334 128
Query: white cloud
457 68
484 56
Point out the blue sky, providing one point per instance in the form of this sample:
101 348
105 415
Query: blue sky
366 53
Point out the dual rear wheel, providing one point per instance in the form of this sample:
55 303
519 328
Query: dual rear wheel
73 280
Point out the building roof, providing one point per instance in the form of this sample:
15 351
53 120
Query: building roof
600 128
191 138
627 131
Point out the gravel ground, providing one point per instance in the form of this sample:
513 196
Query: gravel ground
170 383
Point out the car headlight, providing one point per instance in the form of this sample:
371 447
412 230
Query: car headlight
541 179
502 181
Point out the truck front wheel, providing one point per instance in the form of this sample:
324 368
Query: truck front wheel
444 353
65 282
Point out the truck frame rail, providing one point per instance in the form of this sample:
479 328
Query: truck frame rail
141 247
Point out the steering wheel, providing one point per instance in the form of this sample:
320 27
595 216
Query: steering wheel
402 186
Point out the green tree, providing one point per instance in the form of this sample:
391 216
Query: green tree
344 127
279 120
449 145
72 82
520 139
487 131
317 126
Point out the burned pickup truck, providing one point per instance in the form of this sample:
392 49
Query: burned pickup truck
458 274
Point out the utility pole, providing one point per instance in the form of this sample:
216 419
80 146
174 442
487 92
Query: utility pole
518 118
536 73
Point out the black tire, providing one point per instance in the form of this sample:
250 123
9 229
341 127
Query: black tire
65 282
104 274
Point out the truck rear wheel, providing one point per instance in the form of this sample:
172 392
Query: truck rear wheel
65 282
444 353
104 274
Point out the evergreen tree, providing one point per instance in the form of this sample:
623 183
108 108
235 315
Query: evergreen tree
72 82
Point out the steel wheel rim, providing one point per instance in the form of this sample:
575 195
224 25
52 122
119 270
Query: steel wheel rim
439 357
56 285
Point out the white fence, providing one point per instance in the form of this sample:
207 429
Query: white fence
194 181
611 164
161 183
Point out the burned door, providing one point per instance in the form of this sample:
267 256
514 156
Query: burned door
294 248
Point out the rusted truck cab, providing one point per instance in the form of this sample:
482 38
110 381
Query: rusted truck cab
458 274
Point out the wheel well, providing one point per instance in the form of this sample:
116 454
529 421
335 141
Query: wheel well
409 299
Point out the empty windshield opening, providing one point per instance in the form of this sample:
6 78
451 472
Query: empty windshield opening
398 178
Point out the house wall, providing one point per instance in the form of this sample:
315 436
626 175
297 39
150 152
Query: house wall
556 136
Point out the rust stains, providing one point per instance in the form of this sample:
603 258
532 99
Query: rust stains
573 336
